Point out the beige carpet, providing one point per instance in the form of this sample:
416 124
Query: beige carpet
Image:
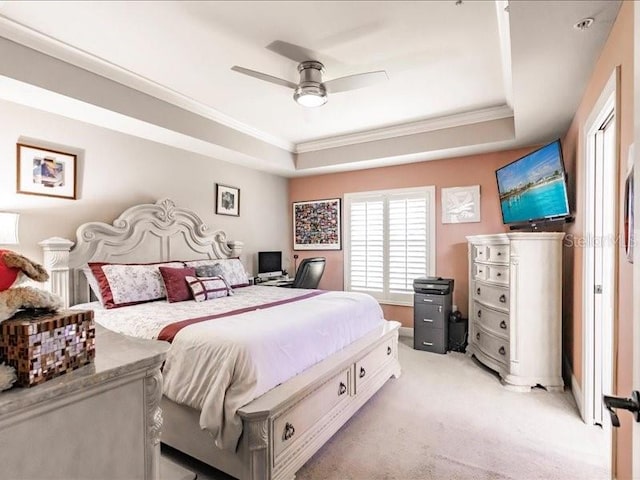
447 417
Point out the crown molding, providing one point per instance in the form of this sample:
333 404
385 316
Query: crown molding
43 43
412 128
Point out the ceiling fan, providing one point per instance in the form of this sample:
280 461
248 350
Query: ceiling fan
311 91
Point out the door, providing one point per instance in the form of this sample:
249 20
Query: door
599 285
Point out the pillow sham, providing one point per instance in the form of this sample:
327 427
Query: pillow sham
231 269
208 288
175 283
123 284
93 283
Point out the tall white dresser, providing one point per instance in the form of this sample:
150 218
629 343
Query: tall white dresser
515 307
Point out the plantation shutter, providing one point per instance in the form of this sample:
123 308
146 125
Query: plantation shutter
389 242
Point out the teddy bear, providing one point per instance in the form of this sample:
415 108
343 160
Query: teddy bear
14 269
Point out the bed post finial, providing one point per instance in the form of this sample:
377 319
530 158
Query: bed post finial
236 247
56 261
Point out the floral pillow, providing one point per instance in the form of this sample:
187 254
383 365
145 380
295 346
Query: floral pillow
231 269
208 288
127 284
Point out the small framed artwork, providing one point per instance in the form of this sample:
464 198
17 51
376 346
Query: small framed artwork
41 171
316 225
227 200
461 204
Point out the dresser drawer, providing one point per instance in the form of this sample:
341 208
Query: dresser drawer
479 253
480 271
497 253
497 348
430 339
367 367
498 274
492 295
491 320
429 315
290 426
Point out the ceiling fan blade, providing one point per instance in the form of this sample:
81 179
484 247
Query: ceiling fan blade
352 82
293 52
265 77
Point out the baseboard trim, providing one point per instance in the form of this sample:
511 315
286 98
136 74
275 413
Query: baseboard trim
576 391
406 332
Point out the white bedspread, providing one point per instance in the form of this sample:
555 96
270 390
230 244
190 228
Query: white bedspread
219 365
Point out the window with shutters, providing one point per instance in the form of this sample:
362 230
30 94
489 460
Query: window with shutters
389 241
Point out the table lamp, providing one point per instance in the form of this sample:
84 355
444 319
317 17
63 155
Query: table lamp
9 228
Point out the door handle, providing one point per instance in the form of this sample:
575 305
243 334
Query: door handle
632 404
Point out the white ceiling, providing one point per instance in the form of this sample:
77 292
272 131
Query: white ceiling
448 65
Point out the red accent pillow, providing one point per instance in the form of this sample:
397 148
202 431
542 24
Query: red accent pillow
175 283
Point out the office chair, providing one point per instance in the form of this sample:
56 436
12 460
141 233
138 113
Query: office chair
309 273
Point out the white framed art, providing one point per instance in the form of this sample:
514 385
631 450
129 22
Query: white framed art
461 204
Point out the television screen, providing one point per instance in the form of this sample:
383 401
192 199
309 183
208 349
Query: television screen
534 187
269 262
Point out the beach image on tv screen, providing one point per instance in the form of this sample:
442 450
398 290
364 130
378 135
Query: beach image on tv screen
533 187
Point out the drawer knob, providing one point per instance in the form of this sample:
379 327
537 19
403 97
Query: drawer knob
478 336
499 253
503 325
478 290
388 350
479 313
289 431
502 298
342 389
428 320
427 344
502 351
499 274
363 372
479 271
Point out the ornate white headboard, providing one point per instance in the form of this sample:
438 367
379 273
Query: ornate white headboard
144 233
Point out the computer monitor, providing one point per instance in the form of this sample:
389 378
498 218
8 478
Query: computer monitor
269 264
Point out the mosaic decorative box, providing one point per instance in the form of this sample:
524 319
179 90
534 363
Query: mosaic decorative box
44 346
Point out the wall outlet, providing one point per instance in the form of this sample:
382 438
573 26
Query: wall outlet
454 308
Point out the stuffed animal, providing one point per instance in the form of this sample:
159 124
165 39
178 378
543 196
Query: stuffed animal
13 270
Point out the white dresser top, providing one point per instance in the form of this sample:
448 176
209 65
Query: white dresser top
116 355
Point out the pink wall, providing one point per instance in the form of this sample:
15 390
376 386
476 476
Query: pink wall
617 51
451 244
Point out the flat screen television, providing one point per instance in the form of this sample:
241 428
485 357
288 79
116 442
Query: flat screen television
270 262
534 187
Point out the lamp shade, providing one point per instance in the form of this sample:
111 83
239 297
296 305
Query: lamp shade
9 228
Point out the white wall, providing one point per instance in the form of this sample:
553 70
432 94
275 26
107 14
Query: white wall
116 171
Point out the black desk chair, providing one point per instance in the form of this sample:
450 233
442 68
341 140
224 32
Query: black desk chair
309 273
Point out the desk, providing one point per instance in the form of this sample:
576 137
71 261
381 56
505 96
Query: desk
278 282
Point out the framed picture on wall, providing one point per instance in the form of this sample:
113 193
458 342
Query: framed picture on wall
227 200
316 225
461 204
41 171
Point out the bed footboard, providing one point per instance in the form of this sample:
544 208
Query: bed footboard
283 428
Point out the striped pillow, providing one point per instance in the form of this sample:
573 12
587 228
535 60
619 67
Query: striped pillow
208 288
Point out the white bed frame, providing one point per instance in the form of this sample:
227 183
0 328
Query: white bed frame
283 428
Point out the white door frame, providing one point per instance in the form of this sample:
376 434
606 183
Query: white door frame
604 359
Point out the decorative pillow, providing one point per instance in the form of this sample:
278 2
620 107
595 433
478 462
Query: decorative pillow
127 284
175 283
208 288
231 269
214 270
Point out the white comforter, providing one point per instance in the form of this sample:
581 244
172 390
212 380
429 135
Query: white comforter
219 365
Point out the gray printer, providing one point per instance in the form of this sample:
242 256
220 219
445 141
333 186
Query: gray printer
433 285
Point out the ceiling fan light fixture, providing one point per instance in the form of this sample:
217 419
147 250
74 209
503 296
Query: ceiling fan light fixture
310 95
